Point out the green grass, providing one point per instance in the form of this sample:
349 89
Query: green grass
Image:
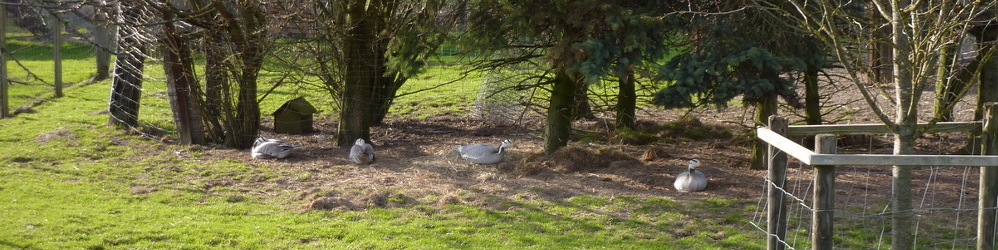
68 181
78 190
31 70
80 204
449 99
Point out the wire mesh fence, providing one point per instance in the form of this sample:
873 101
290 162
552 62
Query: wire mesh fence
944 204
36 35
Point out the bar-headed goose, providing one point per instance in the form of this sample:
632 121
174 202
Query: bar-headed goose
483 153
361 152
692 180
265 148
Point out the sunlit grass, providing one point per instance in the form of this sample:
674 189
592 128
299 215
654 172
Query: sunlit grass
442 90
68 181
31 70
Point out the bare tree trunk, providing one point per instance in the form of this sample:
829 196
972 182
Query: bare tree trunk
582 109
904 138
181 84
247 31
952 81
764 110
880 48
361 77
626 100
104 36
812 100
988 89
812 95
558 127
944 95
216 85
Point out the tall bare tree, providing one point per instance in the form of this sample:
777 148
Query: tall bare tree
226 110
918 31
182 87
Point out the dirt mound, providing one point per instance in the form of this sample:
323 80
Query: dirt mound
573 159
354 200
61 132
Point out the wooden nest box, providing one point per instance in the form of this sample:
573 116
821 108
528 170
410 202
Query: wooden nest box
294 117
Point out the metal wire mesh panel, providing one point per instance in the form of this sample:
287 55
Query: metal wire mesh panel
500 99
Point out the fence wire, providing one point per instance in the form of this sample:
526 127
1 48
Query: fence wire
944 208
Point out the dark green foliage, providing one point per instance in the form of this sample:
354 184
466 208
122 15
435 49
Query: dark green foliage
594 38
574 43
745 52
629 36
717 78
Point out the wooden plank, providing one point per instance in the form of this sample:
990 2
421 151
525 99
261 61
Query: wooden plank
822 227
784 144
903 160
776 226
4 87
808 157
843 129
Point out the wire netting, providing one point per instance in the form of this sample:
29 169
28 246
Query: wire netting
944 204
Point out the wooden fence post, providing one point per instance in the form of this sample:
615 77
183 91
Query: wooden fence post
57 28
4 91
988 182
776 227
824 196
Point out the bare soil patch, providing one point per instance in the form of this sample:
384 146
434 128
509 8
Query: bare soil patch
417 163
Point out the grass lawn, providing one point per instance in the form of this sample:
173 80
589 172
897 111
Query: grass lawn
68 181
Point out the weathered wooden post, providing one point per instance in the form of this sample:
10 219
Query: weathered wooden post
776 227
57 28
824 195
989 181
4 92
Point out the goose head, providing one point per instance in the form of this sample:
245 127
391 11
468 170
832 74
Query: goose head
505 143
694 163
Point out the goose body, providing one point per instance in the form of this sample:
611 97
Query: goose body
483 153
692 180
361 152
265 148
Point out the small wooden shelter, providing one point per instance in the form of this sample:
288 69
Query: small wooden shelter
294 117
